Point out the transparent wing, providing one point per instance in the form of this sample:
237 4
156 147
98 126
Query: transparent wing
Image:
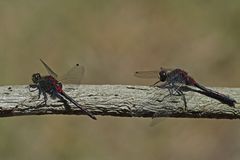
49 70
147 74
74 75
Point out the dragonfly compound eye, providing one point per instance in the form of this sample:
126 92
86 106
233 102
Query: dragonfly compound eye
163 76
36 77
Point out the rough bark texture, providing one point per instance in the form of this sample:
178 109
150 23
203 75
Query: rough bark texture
119 100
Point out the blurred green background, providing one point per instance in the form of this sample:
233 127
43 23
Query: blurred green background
112 39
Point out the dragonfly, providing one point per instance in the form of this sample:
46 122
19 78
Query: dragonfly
50 85
174 79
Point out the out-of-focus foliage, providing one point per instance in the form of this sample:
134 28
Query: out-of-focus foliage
112 39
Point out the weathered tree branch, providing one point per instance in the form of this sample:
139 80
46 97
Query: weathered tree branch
119 100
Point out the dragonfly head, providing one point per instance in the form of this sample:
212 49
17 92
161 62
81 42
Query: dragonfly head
163 75
36 77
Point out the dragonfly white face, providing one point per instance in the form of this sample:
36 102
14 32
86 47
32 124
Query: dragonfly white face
36 77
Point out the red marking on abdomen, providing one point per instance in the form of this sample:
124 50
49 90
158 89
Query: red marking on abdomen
59 88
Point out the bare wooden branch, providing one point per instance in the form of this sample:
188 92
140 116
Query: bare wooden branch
119 100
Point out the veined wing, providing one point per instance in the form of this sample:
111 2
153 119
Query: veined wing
147 74
74 75
49 70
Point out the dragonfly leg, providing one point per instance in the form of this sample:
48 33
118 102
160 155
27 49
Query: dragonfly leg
44 97
169 88
39 92
155 84
164 97
53 95
176 90
44 102
184 99
165 85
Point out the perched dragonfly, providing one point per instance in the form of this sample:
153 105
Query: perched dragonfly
50 85
174 79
